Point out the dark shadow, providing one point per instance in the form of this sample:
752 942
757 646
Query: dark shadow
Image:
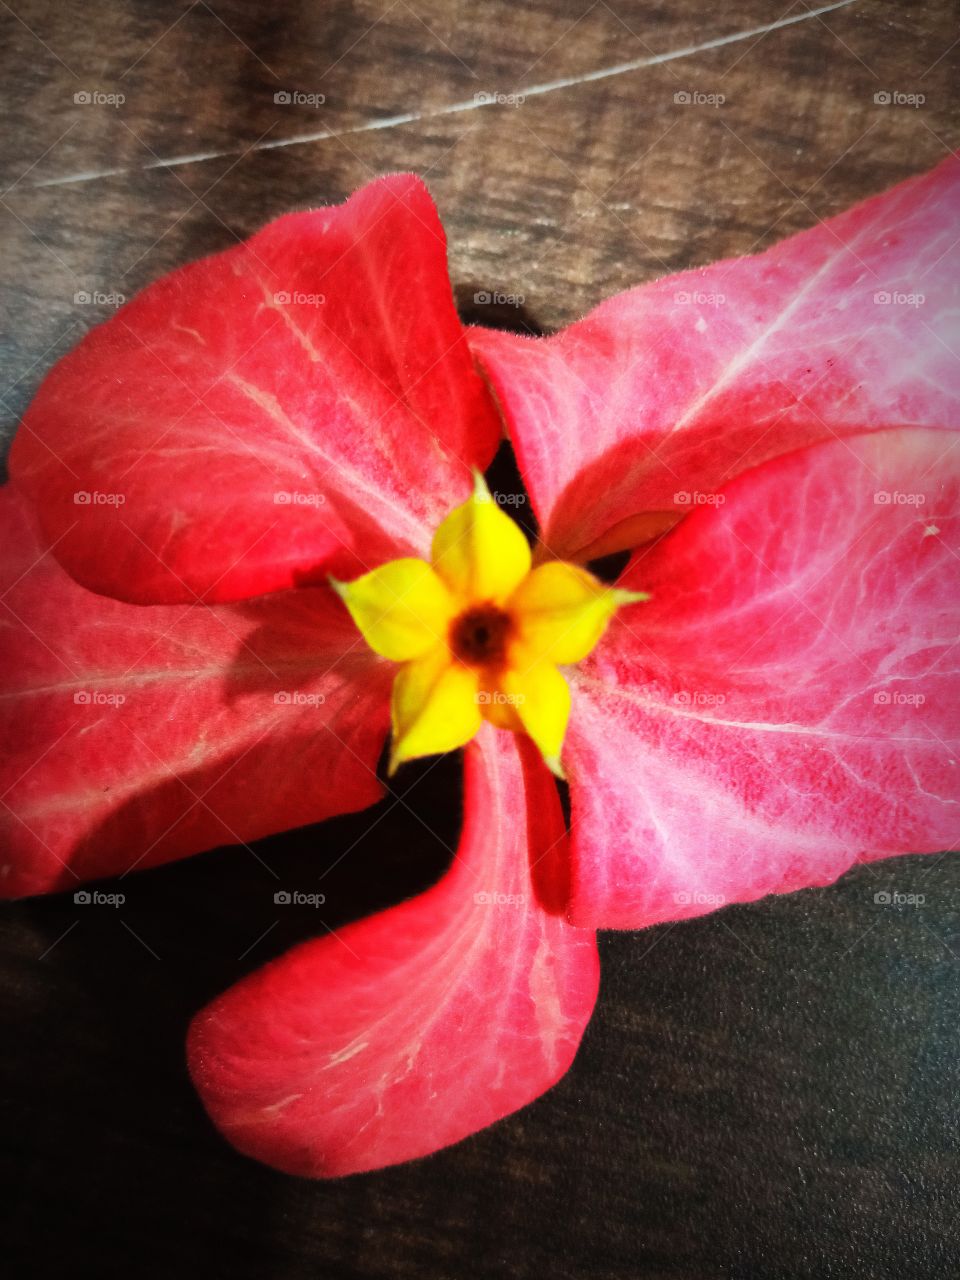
609 568
103 999
506 484
495 309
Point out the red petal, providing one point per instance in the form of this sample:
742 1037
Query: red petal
205 397
788 702
410 1030
652 400
199 752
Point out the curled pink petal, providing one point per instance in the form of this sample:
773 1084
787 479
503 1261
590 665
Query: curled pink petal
663 394
409 1030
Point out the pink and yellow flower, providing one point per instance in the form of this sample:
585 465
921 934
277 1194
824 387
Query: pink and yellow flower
279 450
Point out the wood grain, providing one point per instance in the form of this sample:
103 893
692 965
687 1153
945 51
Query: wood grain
768 1092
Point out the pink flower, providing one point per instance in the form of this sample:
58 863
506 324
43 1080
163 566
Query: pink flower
770 436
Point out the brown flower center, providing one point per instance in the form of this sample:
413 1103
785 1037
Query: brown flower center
479 636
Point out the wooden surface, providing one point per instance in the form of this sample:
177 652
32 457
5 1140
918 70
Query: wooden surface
769 1092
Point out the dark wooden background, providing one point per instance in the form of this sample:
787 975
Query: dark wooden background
769 1092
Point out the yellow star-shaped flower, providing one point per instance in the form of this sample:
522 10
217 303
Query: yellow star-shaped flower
479 633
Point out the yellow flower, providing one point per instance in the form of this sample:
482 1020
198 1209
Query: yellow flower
479 633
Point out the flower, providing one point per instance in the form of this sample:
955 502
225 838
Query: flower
479 633
772 444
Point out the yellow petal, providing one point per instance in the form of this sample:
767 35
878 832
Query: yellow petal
540 697
561 611
435 707
403 609
479 551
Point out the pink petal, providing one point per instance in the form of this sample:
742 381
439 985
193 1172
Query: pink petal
668 391
134 736
410 1030
788 702
184 416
